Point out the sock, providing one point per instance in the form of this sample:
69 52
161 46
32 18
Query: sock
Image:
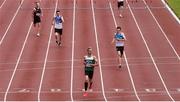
85 86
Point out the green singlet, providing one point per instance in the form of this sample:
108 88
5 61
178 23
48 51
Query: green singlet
89 60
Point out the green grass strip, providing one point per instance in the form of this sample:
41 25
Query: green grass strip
175 6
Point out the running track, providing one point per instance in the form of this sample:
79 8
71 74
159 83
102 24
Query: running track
36 69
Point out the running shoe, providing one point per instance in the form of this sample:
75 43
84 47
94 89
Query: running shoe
85 94
38 34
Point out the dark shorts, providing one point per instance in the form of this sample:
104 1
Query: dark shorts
59 31
89 73
37 20
121 49
120 4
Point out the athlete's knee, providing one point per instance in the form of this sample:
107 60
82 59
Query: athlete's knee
86 78
56 34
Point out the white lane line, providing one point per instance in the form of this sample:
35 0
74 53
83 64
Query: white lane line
3 4
139 29
129 71
72 57
97 45
15 69
45 60
10 23
171 12
165 35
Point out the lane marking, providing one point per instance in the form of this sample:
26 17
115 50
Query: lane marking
150 90
165 35
117 90
98 52
24 91
3 4
127 63
72 57
18 60
104 59
55 90
47 52
12 20
156 67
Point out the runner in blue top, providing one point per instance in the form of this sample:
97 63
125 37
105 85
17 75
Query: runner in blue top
58 27
119 39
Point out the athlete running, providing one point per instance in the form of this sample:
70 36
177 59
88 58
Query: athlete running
119 39
37 13
120 4
90 61
58 27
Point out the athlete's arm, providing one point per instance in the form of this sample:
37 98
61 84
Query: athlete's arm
33 13
62 18
84 61
53 21
96 62
113 41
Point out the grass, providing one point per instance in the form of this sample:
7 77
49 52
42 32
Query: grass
175 5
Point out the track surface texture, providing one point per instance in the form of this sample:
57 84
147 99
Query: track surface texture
36 69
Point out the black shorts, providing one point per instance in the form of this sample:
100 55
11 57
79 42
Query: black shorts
121 49
59 31
37 20
120 4
89 73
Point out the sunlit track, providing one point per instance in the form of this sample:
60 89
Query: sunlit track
6 32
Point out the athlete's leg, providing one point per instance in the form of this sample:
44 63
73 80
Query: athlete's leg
86 82
56 37
86 85
90 80
119 58
38 28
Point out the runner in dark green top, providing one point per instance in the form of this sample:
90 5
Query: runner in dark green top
90 62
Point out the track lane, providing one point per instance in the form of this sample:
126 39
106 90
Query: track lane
2 2
109 57
10 49
26 80
140 68
149 28
6 21
56 84
84 37
174 62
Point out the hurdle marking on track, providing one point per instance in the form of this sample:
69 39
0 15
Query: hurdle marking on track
24 91
55 90
143 91
150 90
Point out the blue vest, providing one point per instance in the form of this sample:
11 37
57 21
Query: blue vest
58 20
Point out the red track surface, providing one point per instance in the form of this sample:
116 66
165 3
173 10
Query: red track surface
150 73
